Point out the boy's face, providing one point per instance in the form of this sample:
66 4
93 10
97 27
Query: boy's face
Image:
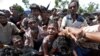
52 30
3 19
32 24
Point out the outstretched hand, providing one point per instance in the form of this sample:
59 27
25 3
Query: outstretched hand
74 33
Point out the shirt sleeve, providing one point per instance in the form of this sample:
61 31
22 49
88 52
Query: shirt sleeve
15 29
93 28
63 23
84 23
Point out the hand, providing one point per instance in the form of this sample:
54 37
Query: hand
18 23
64 32
1 45
22 29
75 31
73 37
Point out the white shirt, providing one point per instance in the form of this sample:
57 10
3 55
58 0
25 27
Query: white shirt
7 31
94 28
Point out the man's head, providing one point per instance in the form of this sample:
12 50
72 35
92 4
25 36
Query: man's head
73 6
13 10
3 18
52 28
54 11
7 13
32 23
35 9
17 41
44 12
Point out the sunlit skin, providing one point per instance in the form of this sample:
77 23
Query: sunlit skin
75 33
51 29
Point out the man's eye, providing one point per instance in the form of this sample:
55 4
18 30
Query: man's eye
49 28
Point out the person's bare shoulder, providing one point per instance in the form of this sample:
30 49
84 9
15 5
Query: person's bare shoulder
46 39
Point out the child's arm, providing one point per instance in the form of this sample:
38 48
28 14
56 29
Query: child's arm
74 53
45 46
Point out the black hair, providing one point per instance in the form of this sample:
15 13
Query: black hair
34 6
20 15
54 9
2 13
42 9
17 36
32 19
7 13
54 23
64 10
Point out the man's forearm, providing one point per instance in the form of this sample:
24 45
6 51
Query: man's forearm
94 36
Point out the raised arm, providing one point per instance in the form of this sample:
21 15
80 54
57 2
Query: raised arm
94 36
76 33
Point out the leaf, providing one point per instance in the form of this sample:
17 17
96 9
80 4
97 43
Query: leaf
92 7
18 8
61 3
26 2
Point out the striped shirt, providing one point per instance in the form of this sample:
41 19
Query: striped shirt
67 21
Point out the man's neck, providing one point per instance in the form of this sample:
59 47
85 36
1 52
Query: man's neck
74 17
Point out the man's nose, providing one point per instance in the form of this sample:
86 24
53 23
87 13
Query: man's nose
50 30
72 8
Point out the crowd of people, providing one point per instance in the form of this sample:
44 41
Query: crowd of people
46 32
